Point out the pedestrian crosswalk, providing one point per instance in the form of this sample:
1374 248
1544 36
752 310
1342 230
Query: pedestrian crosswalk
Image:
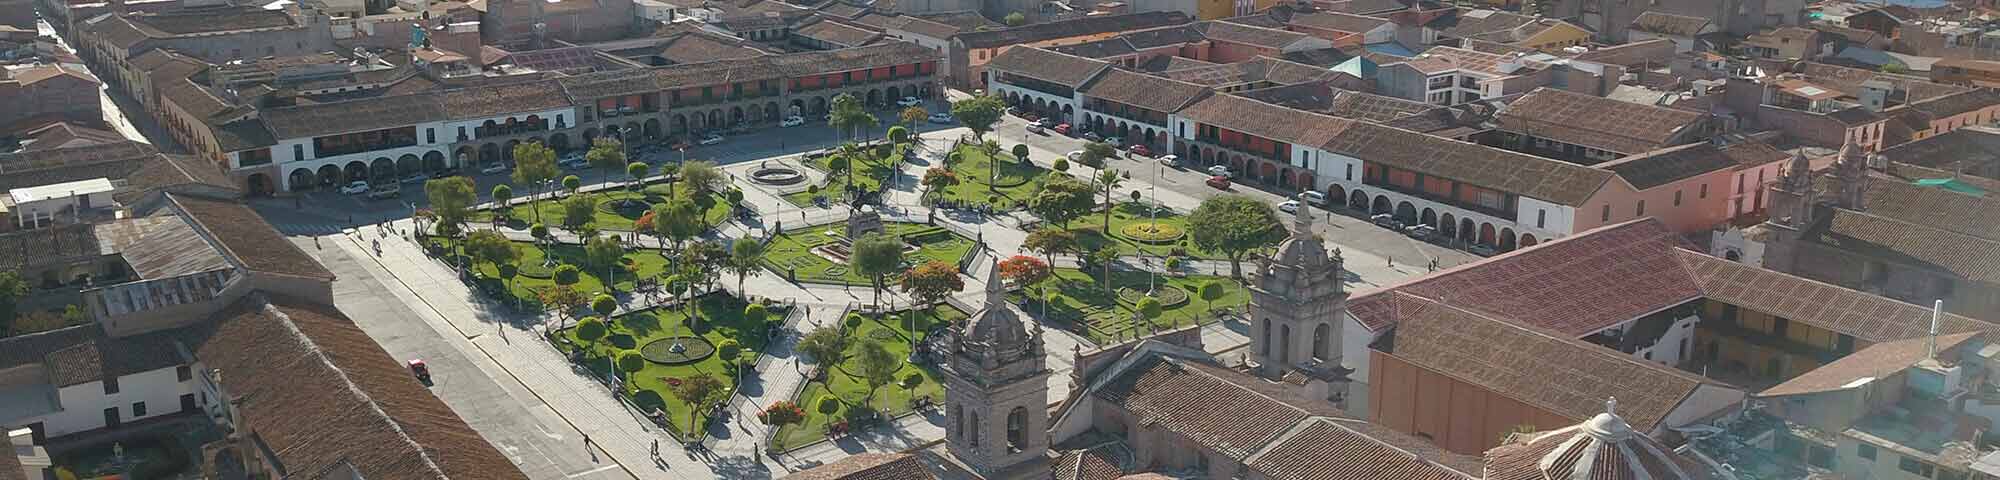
308 229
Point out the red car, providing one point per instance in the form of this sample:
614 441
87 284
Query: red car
422 371
1142 151
1219 182
1062 128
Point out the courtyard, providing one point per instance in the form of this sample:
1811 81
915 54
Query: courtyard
817 254
982 180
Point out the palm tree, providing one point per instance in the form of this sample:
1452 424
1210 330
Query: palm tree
1107 181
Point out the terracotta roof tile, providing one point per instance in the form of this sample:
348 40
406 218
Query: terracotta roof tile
1964 256
1664 23
1046 65
353 115
1896 198
1865 316
1183 400
104 357
1967 148
494 100
1605 124
1849 79
1561 375
1143 91
1877 361
1518 173
1957 103
869 466
1667 165
1249 35
1344 22
1070 28
248 238
837 33
1325 449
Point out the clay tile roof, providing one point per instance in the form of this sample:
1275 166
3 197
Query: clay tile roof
1938 208
1343 22
1439 59
34 348
1518 173
1483 24
1605 124
929 28
169 171
493 100
1875 362
1088 25
1561 375
103 357
1954 104
1849 79
837 33
881 54
318 394
1671 164
1324 449
1046 65
194 21
1972 146
357 115
1249 35
869 466
1143 91
1096 463
1266 120
1965 256
248 238
1664 23
1858 314
10 462
1110 47
1575 285
1180 399
592 86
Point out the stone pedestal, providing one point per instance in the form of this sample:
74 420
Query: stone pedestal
862 223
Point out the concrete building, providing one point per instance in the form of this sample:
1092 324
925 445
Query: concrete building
1453 76
216 34
49 92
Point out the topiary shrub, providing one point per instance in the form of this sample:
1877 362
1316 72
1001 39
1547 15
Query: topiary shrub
854 321
913 380
567 274
828 405
730 349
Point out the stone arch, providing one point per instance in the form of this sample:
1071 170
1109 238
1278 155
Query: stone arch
1068 113
771 112
631 132
1017 426
1380 206
1486 234
735 115
1322 341
1285 178
381 169
1264 326
1284 344
613 132
1406 212
798 107
894 93
490 153
1528 240
355 170
466 155
1429 217
1335 195
408 164
1304 180
1466 232
507 153
1358 200
559 142
972 428
680 124
652 128
589 135
301 179
1270 171
1447 225
819 106
874 97
715 118
330 175
1506 239
434 161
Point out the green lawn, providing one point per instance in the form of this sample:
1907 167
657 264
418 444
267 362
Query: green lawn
1172 237
1014 184
868 174
1109 316
793 251
610 214
721 319
533 277
852 390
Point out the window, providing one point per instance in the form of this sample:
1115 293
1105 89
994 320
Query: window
430 135
1641 209
1606 215
1541 218
1350 172
187 402
1820 456
298 152
183 373
111 385
138 409
1704 191
1677 198
1915 466
111 417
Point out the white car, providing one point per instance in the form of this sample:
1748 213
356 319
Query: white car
1034 128
792 121
909 102
356 187
1314 197
942 118
1170 161
1289 206
494 168
711 139
415 178
1221 171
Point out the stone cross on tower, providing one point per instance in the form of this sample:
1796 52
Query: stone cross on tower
996 386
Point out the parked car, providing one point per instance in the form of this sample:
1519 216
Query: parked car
385 191
1482 250
1221 171
909 102
1062 129
494 168
1289 206
1093 136
1114 141
1219 182
1142 151
1015 111
711 139
1314 197
420 370
1171 161
739 129
1421 232
1034 128
356 187
415 178
792 121
442 174
942 118
1387 221
573 163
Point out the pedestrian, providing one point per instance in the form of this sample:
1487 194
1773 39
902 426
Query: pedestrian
656 448
1392 260
586 441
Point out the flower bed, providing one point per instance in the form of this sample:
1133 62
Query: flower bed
1156 233
1170 296
693 349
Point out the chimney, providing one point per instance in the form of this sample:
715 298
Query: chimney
1930 344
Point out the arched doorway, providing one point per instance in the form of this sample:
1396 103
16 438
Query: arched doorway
1358 200
1428 218
1448 226
507 155
1406 213
874 97
355 171
1336 195
330 175
408 165
771 111
1068 113
895 93
1528 240
735 116
1465 231
715 118
1506 239
466 156
680 124
1380 206
1486 234
301 180
652 128
798 107
1270 172
819 106
559 142
490 153
382 169
434 161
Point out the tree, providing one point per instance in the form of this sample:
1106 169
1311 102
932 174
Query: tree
698 392
878 367
1233 225
850 116
1101 259
578 211
1209 292
603 252
839 166
979 114
572 183
1049 242
501 194
899 135
540 232
938 178
1016 19
876 256
1094 154
703 178
1020 154
638 171
1061 165
824 345
590 329
567 274
746 255
1149 309
490 247
729 350
1061 200
606 154
1025 270
932 282
678 220
12 289
630 363
451 199
756 314
564 298
1108 181
913 114
604 305
534 164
